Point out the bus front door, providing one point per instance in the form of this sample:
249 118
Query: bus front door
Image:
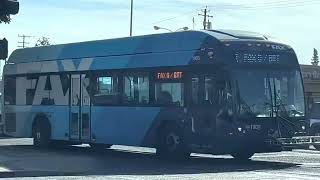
80 112
203 109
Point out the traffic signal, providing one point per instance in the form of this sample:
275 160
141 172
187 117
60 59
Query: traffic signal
3 48
8 7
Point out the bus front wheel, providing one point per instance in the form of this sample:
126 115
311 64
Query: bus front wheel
171 143
242 155
41 134
316 132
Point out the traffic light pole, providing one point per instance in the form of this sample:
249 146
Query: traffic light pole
3 49
7 8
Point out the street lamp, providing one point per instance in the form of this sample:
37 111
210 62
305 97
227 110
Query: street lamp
183 28
158 28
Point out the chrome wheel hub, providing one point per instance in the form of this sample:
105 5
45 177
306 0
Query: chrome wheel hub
38 135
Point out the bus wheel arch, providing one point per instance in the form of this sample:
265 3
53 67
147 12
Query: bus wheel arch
170 141
243 154
99 146
315 129
41 131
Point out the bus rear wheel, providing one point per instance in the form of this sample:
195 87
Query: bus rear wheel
171 143
41 134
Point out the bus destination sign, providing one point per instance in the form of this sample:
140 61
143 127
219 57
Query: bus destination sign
260 58
169 75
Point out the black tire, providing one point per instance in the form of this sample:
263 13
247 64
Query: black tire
317 147
242 155
41 133
99 147
171 143
317 133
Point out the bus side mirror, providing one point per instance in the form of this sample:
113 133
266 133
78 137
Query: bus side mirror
3 49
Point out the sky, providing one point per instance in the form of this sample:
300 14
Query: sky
295 22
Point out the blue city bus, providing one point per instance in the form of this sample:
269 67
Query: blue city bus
217 92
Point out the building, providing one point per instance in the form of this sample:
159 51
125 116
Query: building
311 79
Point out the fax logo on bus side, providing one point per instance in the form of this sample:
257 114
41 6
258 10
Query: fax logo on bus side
39 84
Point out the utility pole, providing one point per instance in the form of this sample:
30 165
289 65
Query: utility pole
193 22
131 14
23 42
205 16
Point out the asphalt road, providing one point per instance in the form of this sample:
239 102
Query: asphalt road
18 159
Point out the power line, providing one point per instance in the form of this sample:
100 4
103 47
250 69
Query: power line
257 6
266 4
23 42
175 17
279 4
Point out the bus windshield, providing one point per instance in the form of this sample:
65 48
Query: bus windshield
265 93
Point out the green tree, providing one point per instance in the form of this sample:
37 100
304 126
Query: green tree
315 57
7 8
5 18
43 41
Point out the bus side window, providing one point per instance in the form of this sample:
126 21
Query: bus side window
171 94
217 91
135 89
210 88
164 98
10 91
195 83
106 91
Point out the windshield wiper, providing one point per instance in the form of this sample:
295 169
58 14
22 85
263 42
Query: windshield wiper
277 104
270 90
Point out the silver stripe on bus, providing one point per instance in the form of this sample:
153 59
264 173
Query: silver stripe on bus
48 66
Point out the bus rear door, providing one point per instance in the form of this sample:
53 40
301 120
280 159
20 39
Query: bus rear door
80 108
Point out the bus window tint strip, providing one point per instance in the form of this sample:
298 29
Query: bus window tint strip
195 90
10 91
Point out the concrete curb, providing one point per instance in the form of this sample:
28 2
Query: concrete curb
22 173
6 174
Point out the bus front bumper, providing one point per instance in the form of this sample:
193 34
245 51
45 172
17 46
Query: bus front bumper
299 142
259 145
